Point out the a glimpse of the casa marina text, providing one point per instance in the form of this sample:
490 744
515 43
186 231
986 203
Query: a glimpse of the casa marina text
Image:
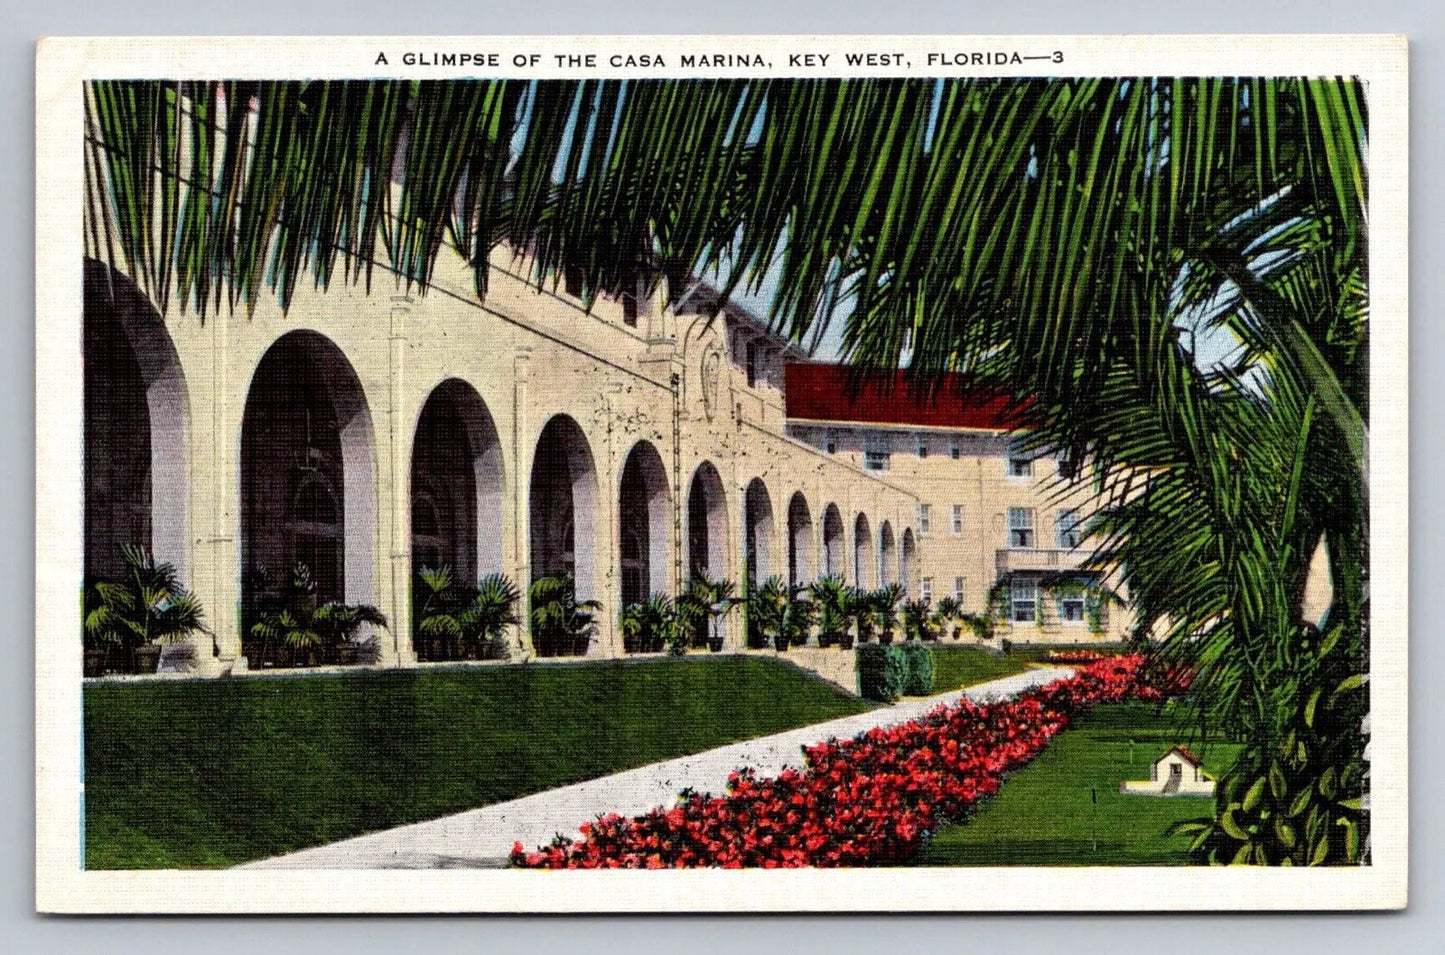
744 61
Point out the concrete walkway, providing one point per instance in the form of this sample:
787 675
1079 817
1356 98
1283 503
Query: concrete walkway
483 838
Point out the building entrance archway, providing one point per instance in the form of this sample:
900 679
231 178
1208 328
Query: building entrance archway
887 555
800 541
707 524
136 424
863 552
833 542
644 511
308 476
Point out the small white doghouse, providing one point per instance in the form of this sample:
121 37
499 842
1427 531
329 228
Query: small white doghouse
1176 773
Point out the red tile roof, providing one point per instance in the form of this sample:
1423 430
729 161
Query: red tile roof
823 392
1188 756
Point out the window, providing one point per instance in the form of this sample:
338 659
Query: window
830 442
1021 527
1020 467
1069 532
922 444
1023 600
958 518
958 589
630 310
752 363
926 590
572 281
875 453
923 519
1071 608
953 450
1067 468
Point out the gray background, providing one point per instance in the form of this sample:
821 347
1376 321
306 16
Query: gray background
1418 930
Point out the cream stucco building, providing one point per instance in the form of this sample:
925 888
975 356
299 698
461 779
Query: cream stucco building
997 530
368 433
369 430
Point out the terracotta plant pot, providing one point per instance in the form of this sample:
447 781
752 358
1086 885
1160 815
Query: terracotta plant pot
147 658
94 664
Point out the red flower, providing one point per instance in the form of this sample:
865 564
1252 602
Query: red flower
868 800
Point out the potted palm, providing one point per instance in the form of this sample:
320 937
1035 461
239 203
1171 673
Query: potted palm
770 606
561 625
918 620
492 612
310 631
438 627
280 618
692 616
854 609
648 626
336 625
98 642
801 614
865 613
832 598
465 622
689 620
885 610
752 622
147 608
717 599
659 622
980 624
630 623
948 617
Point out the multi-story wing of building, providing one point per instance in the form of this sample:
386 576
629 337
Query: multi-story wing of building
999 531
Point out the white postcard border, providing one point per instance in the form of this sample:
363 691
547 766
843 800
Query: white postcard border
63 886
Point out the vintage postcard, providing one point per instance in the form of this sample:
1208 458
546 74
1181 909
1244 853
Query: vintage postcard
947 473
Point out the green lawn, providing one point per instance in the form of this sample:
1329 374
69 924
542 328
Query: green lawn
1044 814
213 773
959 666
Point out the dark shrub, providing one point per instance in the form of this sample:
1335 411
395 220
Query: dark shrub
882 672
919 667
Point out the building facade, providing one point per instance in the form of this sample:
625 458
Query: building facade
370 433
998 530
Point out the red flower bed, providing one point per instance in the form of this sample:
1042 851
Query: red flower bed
1074 656
869 800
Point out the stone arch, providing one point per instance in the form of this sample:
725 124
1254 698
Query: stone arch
136 428
758 530
863 552
456 485
833 564
308 472
800 541
908 561
707 523
887 555
563 506
644 509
